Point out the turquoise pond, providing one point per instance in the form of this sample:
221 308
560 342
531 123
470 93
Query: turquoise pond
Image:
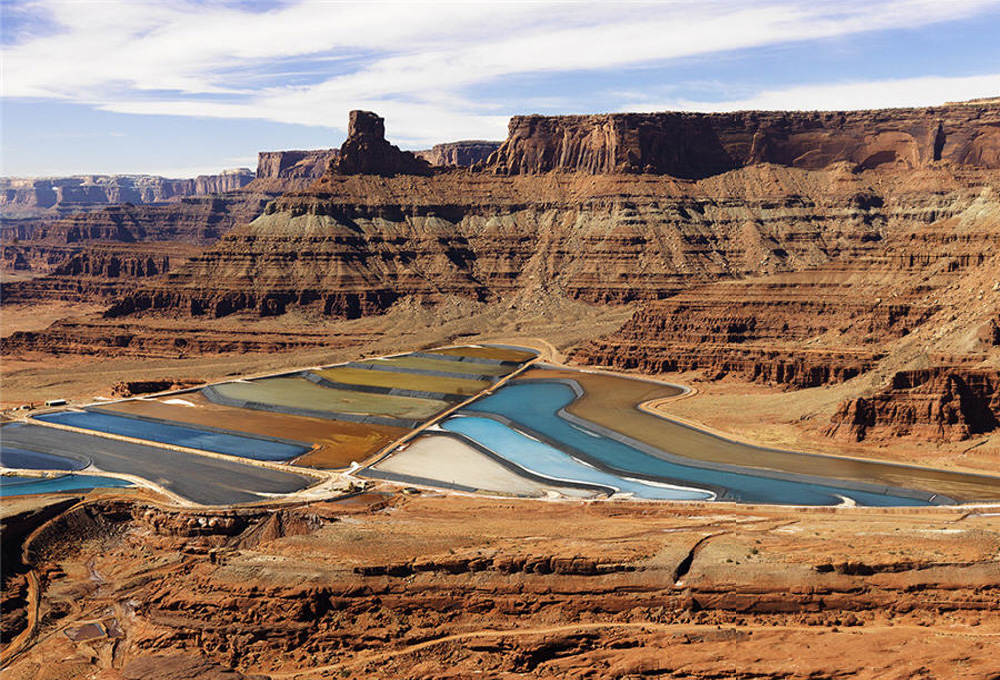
546 461
178 435
22 486
533 408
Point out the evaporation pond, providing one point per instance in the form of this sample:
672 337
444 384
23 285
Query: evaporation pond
542 459
299 393
35 460
16 485
434 366
177 435
534 406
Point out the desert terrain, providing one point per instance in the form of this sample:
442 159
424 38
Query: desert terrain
823 283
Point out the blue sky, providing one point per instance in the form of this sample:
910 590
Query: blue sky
183 87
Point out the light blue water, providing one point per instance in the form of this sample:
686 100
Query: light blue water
544 460
33 460
178 435
22 486
534 405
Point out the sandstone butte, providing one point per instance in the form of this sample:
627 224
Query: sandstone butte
847 257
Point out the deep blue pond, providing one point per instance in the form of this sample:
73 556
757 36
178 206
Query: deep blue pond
22 486
535 406
178 435
542 459
33 460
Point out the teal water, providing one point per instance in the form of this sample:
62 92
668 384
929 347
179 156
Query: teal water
22 486
544 460
535 405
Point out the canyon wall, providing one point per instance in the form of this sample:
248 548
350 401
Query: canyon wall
462 154
281 171
378 227
932 404
616 589
697 145
62 194
97 255
356 244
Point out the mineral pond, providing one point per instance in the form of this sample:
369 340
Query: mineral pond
490 420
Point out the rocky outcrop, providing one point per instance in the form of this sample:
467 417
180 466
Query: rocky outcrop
197 221
132 388
353 245
22 195
989 333
908 287
293 164
804 252
366 151
101 338
565 591
695 145
463 154
930 404
101 254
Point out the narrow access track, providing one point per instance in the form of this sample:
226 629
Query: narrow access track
23 640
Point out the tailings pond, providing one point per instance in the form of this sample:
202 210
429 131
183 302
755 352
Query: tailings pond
535 408
17 485
202 479
177 435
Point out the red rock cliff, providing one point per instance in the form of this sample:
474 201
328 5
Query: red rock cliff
459 154
294 164
936 403
696 145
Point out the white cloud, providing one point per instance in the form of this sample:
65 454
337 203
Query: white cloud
879 94
413 62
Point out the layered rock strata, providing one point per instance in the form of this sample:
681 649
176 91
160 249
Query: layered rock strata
697 145
85 337
464 154
21 195
930 404
281 171
791 248
927 294
354 245
360 589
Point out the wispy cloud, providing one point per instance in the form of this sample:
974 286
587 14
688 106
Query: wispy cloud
874 94
414 62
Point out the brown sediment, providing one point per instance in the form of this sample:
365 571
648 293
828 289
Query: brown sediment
336 443
498 353
612 402
398 379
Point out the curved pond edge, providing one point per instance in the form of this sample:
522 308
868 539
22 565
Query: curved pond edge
830 482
